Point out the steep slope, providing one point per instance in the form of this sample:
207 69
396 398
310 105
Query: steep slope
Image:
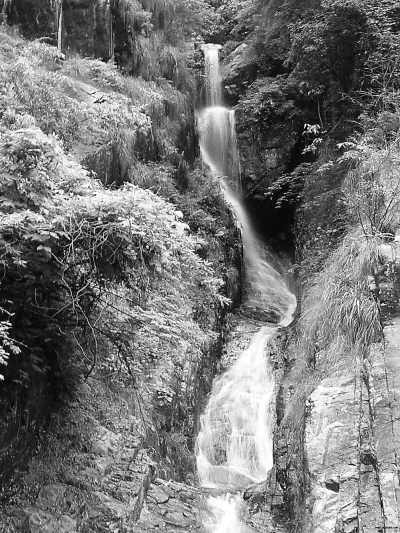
113 297
119 256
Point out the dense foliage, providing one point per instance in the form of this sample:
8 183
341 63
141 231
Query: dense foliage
305 76
115 251
112 249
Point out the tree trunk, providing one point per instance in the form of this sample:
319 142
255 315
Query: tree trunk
3 18
59 24
111 30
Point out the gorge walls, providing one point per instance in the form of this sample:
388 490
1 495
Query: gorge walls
300 80
120 307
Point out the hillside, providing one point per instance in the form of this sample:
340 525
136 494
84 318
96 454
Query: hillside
115 260
139 283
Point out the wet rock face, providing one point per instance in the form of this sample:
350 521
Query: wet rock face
336 444
353 436
35 18
269 125
167 506
331 447
270 116
351 444
270 113
265 503
239 70
87 26
112 486
42 522
170 507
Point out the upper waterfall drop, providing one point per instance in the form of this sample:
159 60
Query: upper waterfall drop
213 74
264 288
216 124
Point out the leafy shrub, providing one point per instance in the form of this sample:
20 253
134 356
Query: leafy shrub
129 119
372 185
92 280
327 56
287 190
34 169
8 347
381 71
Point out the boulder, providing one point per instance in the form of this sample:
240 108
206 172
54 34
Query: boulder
44 522
239 70
106 442
51 496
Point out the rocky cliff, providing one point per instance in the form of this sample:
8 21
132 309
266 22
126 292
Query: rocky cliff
336 436
114 317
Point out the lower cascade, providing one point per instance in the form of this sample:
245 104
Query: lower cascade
234 448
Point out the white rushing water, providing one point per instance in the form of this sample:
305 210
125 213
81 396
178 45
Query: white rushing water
234 445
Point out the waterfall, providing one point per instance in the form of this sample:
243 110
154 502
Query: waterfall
213 74
234 447
216 126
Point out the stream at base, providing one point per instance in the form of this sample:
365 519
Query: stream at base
234 448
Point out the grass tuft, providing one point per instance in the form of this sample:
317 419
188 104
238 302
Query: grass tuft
341 311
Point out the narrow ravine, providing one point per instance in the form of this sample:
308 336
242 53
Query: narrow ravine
234 446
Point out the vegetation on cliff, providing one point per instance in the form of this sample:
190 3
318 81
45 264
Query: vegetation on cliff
115 252
118 257
316 88
302 79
